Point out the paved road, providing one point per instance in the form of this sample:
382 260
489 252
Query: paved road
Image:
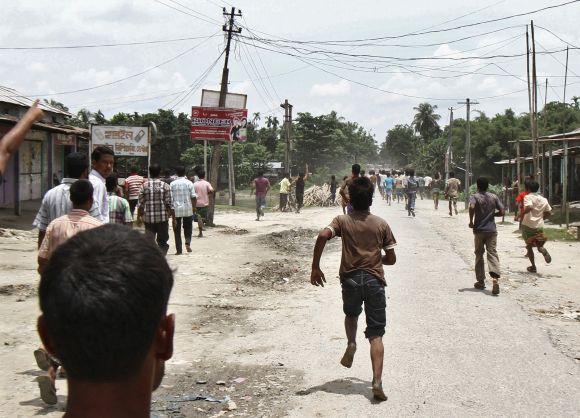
450 351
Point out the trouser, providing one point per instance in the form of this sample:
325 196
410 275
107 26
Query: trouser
412 198
299 200
486 241
187 231
260 205
159 232
133 205
283 201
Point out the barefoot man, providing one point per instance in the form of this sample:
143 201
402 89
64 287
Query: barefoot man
364 237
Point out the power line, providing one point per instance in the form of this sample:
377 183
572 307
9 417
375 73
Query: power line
211 21
128 77
161 41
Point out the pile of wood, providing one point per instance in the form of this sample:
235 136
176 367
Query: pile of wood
319 196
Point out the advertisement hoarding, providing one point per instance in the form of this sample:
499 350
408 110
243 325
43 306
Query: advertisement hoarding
219 124
130 141
211 98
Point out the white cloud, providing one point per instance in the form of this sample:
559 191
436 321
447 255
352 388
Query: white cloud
329 89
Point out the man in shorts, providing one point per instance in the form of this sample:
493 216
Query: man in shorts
536 210
261 185
364 238
452 192
389 183
203 190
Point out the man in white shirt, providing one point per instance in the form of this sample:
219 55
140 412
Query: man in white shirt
56 202
536 209
103 159
184 203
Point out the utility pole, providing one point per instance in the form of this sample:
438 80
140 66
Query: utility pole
449 144
230 28
531 111
468 173
288 128
536 147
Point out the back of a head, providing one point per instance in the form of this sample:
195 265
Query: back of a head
301 175
201 174
411 172
81 191
388 174
360 191
180 171
111 183
99 151
534 186
451 174
154 170
134 170
482 184
101 311
76 164
333 177
356 169
260 173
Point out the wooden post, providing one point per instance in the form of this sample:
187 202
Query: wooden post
550 179
565 206
519 165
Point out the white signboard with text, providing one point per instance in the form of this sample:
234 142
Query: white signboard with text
124 140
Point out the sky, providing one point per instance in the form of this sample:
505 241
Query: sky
377 93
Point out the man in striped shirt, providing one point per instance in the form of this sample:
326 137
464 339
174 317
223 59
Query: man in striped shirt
184 202
155 208
119 211
133 185
103 160
56 201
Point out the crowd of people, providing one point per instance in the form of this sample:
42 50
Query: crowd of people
104 320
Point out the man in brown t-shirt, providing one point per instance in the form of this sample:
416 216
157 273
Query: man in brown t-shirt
364 237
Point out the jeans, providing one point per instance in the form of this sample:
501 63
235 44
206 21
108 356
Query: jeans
486 241
361 287
260 204
159 232
412 198
187 231
133 205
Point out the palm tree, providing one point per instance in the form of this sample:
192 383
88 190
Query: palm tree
425 121
272 122
256 118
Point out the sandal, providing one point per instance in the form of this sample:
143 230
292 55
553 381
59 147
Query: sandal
42 359
532 269
546 254
47 390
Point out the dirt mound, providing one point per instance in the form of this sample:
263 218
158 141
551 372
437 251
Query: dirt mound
233 231
299 240
21 290
278 275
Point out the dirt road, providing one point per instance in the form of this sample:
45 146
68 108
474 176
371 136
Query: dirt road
256 338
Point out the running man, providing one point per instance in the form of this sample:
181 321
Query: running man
299 191
203 190
399 186
333 187
452 192
364 237
484 207
411 189
389 183
435 186
261 185
133 185
536 210
284 192
344 189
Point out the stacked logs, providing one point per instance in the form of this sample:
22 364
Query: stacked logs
320 196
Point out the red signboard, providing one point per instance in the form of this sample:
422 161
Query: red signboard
218 124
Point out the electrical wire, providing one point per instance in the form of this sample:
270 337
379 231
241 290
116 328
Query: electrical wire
212 21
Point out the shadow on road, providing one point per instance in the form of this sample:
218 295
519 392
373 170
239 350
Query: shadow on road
347 386
474 290
44 409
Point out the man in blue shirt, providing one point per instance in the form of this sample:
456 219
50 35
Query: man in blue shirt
483 208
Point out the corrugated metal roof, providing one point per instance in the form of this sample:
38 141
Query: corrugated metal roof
8 95
52 127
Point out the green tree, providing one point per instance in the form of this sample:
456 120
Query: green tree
426 120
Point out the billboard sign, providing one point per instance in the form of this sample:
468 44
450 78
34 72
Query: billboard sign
130 141
211 98
219 124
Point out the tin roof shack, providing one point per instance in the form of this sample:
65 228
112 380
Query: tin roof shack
39 163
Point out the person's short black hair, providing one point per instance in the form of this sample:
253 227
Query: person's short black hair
411 172
356 169
134 169
388 174
260 173
534 186
482 184
80 192
201 174
333 177
154 170
76 163
180 171
361 191
99 151
111 183
451 174
300 175
101 311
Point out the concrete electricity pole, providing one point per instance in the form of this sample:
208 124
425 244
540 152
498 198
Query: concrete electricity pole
468 173
449 153
230 28
288 128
